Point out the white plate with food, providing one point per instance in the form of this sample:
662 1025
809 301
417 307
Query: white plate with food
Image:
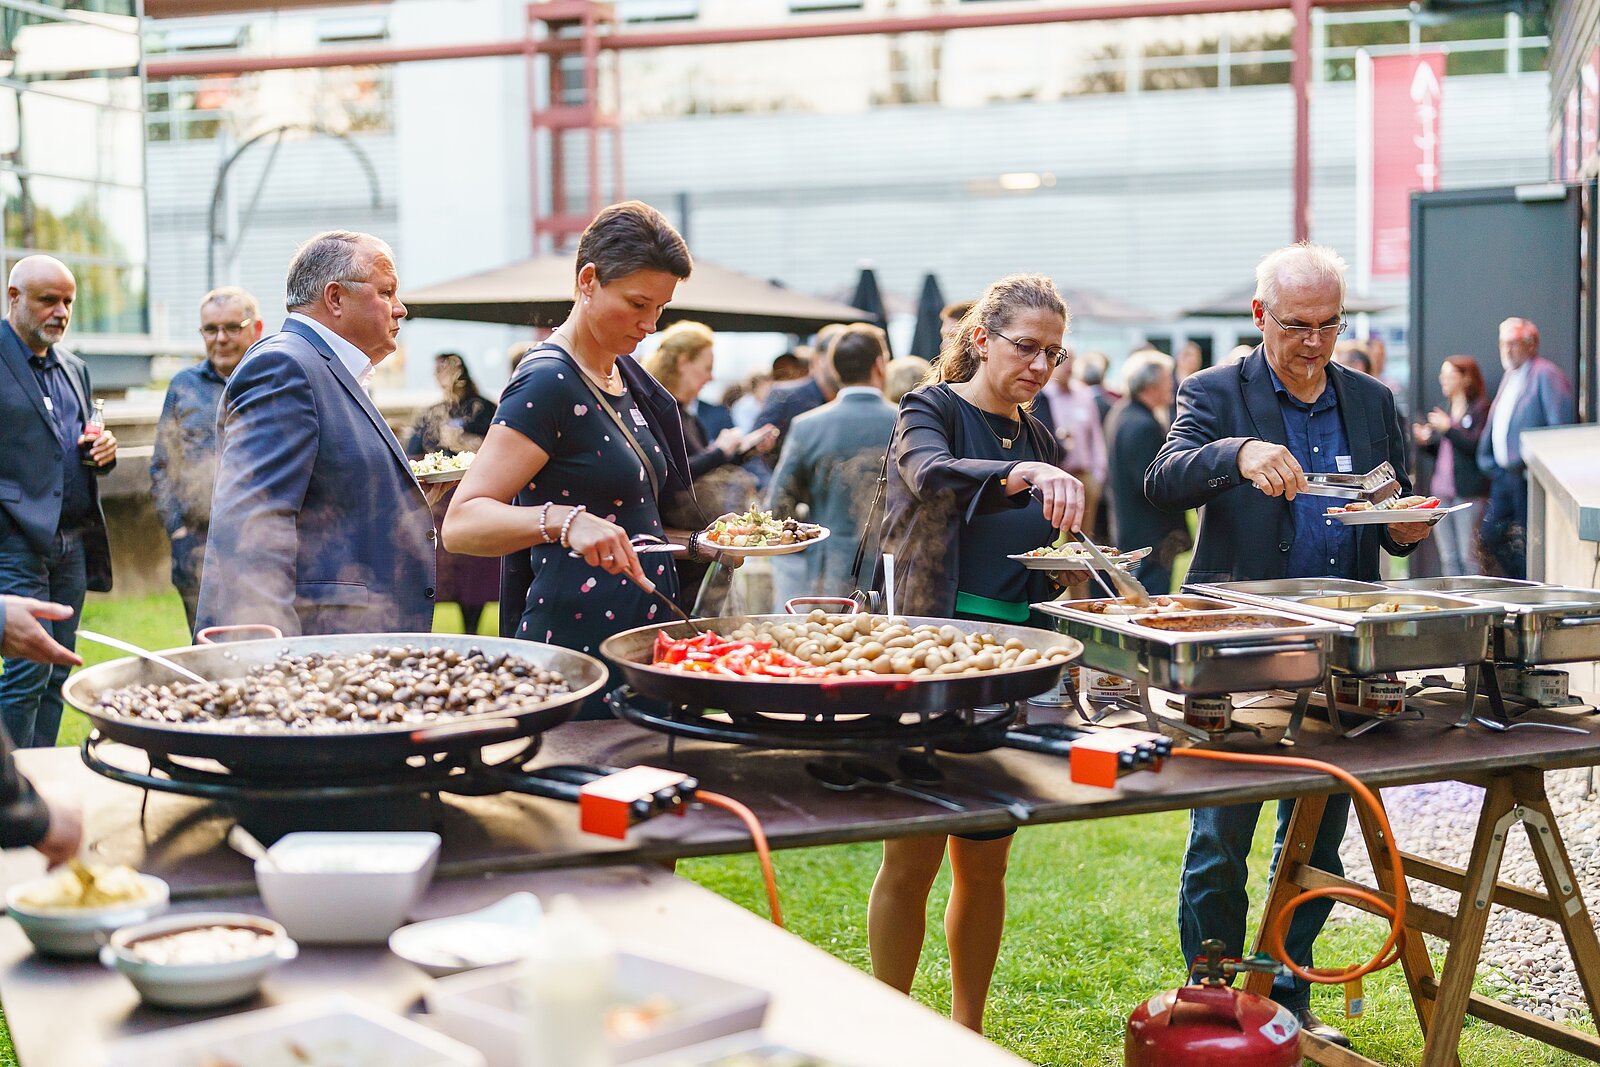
758 533
442 467
1422 512
1074 557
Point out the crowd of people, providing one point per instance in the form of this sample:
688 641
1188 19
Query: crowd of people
289 500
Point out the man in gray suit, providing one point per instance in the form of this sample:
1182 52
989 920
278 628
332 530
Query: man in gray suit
831 459
1533 393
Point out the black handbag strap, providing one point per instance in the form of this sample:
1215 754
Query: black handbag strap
605 402
873 514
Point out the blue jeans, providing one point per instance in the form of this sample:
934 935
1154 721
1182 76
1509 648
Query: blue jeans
30 693
1505 522
1212 901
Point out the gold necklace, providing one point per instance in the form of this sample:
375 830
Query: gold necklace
610 377
1005 442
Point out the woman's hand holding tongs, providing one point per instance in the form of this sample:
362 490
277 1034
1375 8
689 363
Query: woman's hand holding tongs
1059 493
604 545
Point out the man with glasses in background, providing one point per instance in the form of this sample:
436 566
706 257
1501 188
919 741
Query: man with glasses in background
184 463
1245 436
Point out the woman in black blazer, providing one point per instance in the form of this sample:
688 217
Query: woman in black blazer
1451 438
973 478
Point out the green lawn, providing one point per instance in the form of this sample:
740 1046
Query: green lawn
1092 928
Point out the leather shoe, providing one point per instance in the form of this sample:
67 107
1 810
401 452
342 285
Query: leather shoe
1317 1028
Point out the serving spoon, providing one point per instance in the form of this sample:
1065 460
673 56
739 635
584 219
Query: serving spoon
145 654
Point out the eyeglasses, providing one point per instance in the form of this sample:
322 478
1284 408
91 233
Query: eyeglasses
1027 348
233 329
1306 331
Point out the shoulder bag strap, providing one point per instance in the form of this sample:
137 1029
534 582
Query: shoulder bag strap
605 402
873 515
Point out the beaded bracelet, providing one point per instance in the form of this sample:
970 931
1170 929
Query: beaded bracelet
567 525
544 530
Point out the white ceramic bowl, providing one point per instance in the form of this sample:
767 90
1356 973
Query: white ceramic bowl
346 888
80 932
197 985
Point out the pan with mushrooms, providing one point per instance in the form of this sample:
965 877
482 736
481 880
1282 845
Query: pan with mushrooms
326 701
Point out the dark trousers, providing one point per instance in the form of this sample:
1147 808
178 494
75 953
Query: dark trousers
1212 901
30 693
188 557
1505 523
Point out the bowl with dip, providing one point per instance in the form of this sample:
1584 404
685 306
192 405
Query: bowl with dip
346 888
198 960
68 913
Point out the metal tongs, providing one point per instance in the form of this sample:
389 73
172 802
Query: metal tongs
1127 586
1377 485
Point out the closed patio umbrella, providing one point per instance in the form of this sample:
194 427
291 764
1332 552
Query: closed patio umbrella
925 340
869 298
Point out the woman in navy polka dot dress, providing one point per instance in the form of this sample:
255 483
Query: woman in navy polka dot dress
563 469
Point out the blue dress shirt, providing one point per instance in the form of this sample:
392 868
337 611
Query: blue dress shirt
1321 546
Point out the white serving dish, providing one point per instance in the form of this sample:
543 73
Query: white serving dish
748 1046
480 1008
489 937
770 550
334 1029
1084 563
1389 516
317 888
79 932
197 985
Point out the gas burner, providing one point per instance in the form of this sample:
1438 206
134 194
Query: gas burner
402 795
822 731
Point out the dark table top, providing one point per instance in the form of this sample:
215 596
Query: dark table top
182 838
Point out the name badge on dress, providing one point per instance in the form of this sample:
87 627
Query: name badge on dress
638 418
1344 464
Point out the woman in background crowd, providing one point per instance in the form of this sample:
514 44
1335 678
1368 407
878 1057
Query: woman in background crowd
1451 438
683 362
457 423
973 477
905 373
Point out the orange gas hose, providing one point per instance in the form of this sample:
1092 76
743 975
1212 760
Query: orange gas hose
759 837
1278 922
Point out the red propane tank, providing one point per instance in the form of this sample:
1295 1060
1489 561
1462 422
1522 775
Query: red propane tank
1211 1025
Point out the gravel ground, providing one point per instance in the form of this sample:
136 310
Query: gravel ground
1525 959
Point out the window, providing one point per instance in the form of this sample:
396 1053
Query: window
658 10
808 7
353 30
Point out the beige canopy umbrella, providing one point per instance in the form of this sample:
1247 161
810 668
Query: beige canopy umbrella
538 292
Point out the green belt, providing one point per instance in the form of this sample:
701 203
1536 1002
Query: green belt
1013 611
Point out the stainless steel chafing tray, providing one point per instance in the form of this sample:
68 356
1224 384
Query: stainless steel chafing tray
1545 624
1468 584
1429 630
1290 655
1272 591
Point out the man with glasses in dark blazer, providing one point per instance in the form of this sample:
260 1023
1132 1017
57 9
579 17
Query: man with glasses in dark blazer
1245 436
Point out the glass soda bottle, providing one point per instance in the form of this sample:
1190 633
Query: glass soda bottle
92 430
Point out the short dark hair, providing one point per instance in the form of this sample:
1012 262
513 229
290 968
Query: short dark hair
630 237
788 368
957 310
855 351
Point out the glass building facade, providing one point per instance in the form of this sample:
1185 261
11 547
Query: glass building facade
72 153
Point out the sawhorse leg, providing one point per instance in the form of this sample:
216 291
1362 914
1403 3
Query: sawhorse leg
1442 1004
